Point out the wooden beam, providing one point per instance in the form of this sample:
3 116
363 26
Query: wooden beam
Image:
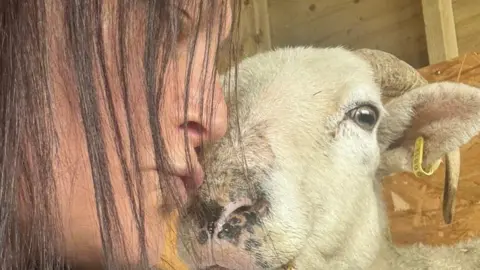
255 27
251 36
440 30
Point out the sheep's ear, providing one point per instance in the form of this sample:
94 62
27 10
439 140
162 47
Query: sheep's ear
446 115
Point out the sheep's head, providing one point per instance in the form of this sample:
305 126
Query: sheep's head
295 178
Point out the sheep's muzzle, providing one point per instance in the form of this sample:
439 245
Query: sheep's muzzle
227 236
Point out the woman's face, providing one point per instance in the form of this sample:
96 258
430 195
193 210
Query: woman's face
76 195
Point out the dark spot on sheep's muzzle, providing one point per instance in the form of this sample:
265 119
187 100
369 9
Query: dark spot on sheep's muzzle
230 232
243 219
204 213
202 237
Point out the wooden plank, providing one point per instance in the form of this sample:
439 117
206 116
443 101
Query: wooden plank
251 33
467 19
440 30
464 68
255 30
395 26
421 220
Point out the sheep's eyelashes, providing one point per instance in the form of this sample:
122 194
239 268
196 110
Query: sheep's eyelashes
364 116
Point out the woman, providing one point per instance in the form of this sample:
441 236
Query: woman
104 106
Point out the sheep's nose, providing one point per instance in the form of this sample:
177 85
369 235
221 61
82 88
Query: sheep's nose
221 221
241 205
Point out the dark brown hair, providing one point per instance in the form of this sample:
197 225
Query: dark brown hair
27 134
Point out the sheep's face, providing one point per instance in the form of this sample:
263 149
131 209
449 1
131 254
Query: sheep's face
294 179
304 145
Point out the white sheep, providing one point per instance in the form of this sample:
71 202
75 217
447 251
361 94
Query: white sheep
297 179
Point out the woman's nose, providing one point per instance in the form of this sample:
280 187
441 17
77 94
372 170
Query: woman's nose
210 125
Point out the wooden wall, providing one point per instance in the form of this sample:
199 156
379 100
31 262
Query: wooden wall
395 26
467 22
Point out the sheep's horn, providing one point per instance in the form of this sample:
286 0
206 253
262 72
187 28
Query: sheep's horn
452 175
393 75
396 77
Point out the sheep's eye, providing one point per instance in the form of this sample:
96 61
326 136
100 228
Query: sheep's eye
365 116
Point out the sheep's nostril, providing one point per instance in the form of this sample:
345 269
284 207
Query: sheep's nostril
231 208
238 217
230 220
206 213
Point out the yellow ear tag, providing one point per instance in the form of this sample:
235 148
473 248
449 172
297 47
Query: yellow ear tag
418 160
170 259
